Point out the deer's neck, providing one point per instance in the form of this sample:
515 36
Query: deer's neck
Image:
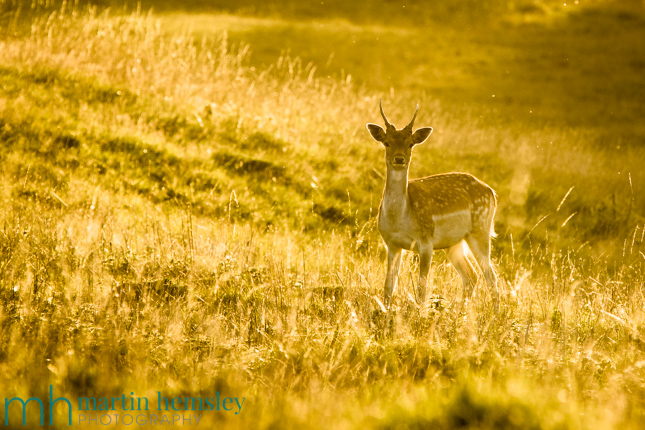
395 195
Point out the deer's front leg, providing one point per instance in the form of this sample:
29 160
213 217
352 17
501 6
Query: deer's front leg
393 264
425 260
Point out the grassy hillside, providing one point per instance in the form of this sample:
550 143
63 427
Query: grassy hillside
192 210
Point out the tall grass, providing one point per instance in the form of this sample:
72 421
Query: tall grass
174 220
110 300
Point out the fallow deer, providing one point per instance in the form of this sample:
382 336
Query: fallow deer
442 211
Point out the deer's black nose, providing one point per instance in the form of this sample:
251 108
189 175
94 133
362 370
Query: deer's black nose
399 160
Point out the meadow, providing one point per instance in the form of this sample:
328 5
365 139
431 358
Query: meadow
189 198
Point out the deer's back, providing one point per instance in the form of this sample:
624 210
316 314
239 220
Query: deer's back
444 191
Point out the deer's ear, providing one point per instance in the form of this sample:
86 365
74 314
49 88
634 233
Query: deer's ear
421 135
377 132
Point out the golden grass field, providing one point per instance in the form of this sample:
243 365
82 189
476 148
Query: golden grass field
189 198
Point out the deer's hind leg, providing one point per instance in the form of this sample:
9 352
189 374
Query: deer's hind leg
479 244
425 261
457 256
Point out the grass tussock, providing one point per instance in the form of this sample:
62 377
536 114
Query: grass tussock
177 219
